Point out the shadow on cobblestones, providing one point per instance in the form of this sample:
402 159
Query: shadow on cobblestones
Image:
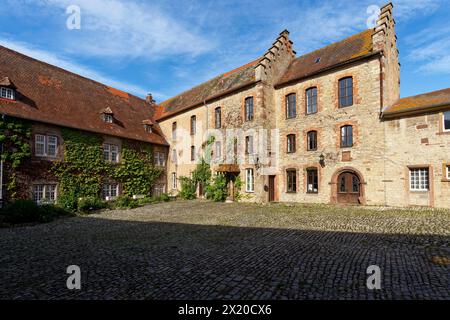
159 260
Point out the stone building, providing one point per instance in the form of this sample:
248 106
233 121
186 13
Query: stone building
326 127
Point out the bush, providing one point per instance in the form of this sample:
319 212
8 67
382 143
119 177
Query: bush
188 188
164 197
27 211
125 202
68 201
217 190
88 204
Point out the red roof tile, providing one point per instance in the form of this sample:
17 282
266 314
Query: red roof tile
420 103
52 95
349 49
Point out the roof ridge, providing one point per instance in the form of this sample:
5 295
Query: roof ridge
225 74
425 93
65 70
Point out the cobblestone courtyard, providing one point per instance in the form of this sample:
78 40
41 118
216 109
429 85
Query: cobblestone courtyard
203 250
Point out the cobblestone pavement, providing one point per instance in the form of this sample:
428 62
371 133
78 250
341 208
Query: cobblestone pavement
203 250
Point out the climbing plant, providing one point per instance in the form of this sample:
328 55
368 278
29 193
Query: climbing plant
15 135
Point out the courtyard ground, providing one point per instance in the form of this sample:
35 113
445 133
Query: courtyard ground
204 250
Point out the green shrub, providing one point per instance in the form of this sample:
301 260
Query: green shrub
125 202
68 201
217 190
27 211
164 197
188 188
88 204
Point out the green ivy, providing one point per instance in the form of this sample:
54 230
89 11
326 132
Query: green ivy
15 135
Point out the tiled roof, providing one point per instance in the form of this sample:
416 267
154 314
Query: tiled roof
352 48
237 78
52 95
420 103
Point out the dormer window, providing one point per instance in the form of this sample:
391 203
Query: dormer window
7 93
107 115
148 128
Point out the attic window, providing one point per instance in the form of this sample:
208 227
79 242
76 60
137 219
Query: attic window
108 118
317 60
148 128
7 93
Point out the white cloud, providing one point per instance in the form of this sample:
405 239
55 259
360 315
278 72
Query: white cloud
66 64
124 29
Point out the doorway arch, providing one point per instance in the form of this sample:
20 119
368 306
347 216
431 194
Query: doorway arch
348 187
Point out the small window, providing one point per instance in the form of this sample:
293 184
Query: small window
346 136
312 180
110 191
44 193
174 156
108 118
174 131
45 146
193 125
249 180
291 181
346 92
355 184
7 93
148 128
291 108
174 180
218 118
249 145
312 140
218 150
192 153
447 121
342 185
160 159
448 172
111 153
249 109
419 179
311 100
291 143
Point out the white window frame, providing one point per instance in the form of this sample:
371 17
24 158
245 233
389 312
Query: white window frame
174 181
110 191
108 152
160 159
419 179
249 180
45 141
443 121
108 118
7 93
46 195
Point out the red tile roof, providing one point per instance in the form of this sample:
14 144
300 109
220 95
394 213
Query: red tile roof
420 103
52 95
352 48
230 81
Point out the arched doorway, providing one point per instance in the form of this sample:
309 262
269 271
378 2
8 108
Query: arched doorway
347 187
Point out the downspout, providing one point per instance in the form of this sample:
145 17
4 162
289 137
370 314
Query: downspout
384 128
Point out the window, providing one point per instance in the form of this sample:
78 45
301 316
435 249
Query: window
148 128
419 179
174 180
312 180
249 145
111 152
174 156
193 125
249 109
342 184
311 100
160 159
355 184
218 150
448 172
346 136
108 118
249 180
218 118
7 93
291 143
312 140
44 193
291 181
446 121
45 146
159 190
110 191
291 109
192 153
174 131
345 92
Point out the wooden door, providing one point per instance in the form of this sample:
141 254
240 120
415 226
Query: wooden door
271 188
349 188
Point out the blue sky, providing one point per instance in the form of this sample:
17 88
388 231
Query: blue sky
166 47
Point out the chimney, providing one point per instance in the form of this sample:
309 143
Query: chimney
149 99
